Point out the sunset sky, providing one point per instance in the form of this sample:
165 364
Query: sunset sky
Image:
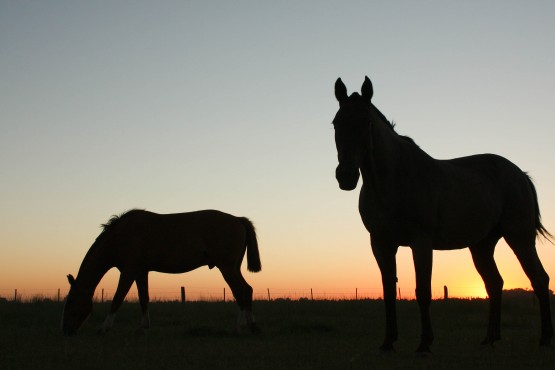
177 106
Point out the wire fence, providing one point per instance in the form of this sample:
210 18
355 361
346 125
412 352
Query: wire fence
214 294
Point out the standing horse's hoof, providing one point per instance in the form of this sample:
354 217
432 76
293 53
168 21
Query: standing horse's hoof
255 329
488 342
140 332
423 351
386 349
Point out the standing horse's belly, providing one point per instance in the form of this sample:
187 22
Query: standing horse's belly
465 232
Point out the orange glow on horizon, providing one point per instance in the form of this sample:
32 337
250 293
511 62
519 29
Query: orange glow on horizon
333 269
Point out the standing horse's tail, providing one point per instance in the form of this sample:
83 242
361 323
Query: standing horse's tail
253 257
540 229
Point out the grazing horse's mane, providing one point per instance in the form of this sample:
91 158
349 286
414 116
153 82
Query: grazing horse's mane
115 218
106 227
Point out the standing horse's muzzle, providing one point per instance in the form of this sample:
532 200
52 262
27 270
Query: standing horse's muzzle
347 177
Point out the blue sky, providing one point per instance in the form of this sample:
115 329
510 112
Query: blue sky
186 105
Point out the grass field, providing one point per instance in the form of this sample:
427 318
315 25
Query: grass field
295 335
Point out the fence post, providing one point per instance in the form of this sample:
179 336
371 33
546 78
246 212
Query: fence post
399 289
102 296
269 300
356 294
182 294
311 296
15 296
58 294
224 294
445 292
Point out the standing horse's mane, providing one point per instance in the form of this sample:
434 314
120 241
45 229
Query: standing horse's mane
391 125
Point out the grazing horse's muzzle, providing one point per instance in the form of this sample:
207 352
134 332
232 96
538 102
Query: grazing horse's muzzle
347 177
68 332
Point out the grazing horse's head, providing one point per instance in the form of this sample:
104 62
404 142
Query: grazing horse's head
352 132
77 308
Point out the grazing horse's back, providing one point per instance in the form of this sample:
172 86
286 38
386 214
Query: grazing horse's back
180 242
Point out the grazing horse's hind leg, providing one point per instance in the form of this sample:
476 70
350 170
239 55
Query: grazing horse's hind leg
125 282
532 266
242 292
482 255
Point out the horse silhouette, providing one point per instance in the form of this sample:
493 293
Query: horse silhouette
140 241
410 199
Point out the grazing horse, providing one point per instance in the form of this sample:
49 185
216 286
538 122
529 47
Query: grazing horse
139 241
411 199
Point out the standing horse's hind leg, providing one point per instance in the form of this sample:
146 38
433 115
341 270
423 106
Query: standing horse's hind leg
142 288
482 255
532 266
242 292
423 257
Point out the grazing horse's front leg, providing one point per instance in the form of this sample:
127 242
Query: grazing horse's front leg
125 282
385 256
423 256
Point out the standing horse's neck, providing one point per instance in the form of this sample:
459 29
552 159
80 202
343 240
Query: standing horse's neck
95 265
389 158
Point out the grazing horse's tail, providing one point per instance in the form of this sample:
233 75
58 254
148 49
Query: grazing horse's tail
540 229
253 257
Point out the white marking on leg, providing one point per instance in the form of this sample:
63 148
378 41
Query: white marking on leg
241 319
108 323
249 318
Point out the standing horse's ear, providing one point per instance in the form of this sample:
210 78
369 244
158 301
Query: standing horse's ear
71 279
367 90
340 91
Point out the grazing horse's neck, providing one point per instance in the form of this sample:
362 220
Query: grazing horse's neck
94 266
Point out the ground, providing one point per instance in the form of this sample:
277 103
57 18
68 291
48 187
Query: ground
295 335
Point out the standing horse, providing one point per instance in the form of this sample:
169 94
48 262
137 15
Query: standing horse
140 241
410 199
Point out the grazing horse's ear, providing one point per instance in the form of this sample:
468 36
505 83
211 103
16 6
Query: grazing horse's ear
340 91
367 90
71 279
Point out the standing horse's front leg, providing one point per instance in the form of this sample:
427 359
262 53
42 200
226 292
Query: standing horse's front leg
423 256
385 256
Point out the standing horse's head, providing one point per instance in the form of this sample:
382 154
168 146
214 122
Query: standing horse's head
77 308
352 132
